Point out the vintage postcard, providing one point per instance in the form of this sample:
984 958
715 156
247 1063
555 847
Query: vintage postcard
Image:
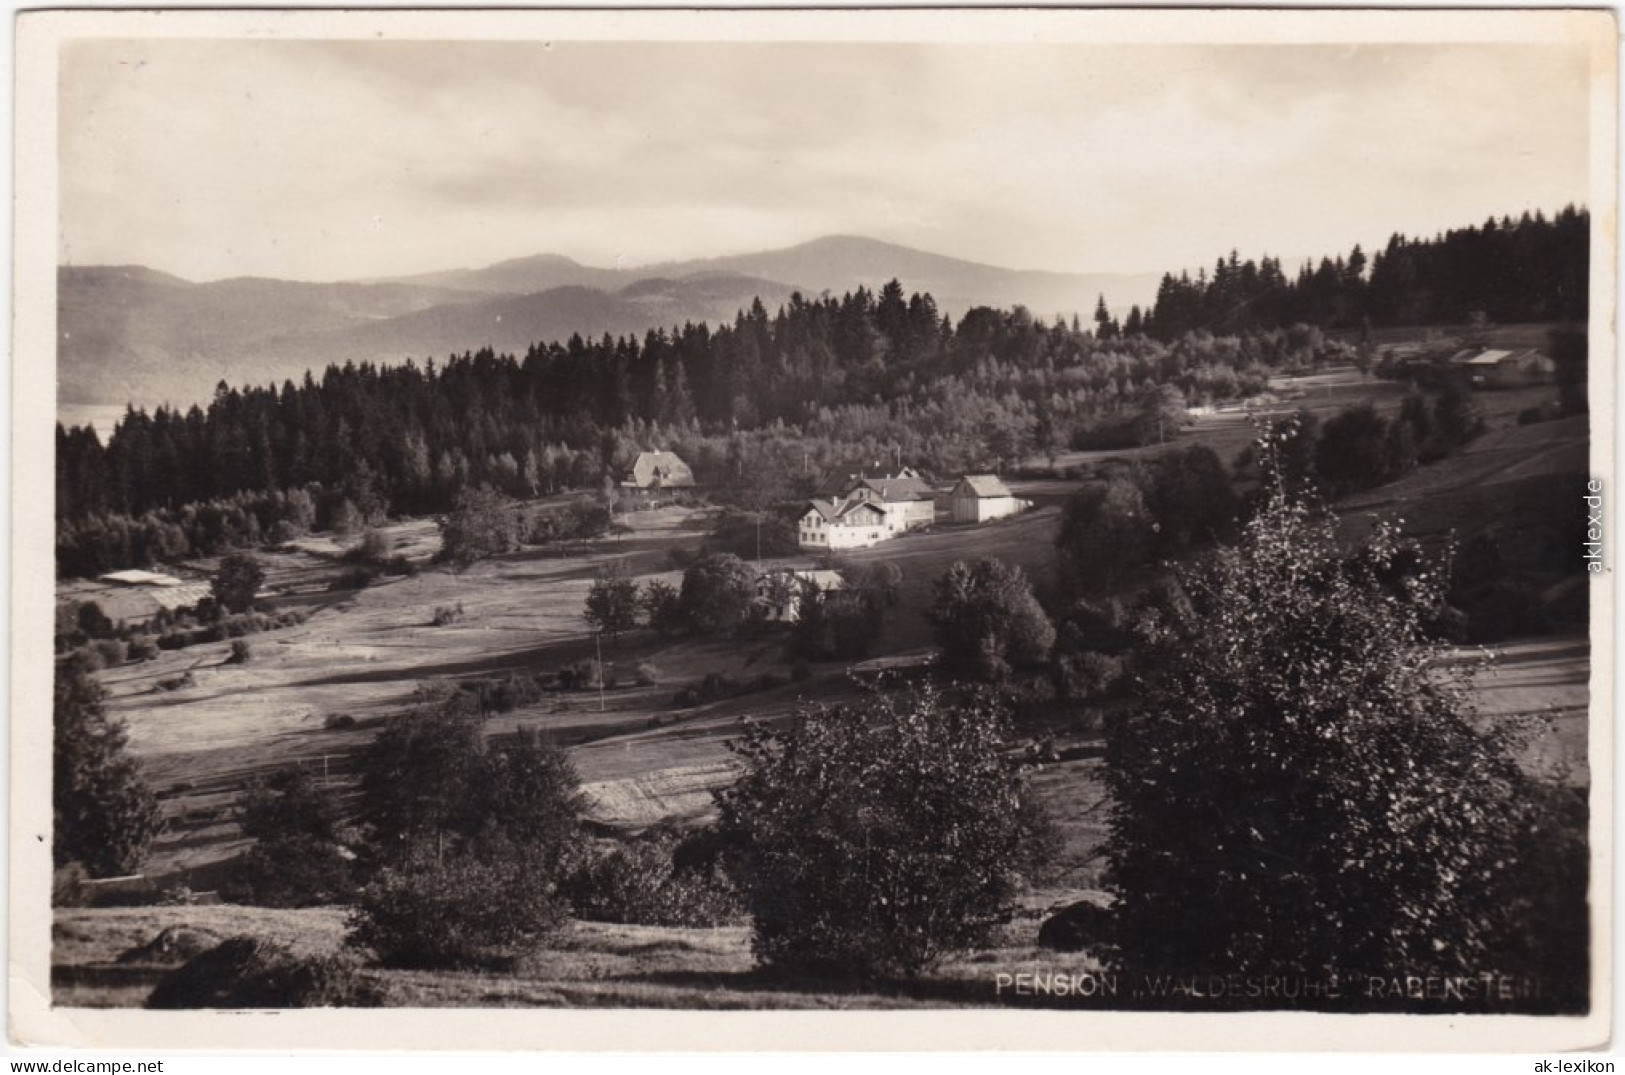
952 529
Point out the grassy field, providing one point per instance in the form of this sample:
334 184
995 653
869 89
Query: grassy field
644 761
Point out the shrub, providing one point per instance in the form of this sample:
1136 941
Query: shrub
587 675
241 652
247 972
504 694
112 651
638 883
1088 674
646 674
454 910
446 615
294 870
142 648
876 837
373 548
356 578
176 683
338 722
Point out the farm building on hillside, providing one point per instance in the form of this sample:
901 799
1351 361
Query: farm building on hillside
655 471
838 524
908 499
980 497
842 480
780 592
836 518
1506 369
133 597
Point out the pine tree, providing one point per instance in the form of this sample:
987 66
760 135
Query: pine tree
104 816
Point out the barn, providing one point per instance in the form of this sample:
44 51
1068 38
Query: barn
1508 369
980 497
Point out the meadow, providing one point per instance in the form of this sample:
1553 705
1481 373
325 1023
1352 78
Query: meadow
643 760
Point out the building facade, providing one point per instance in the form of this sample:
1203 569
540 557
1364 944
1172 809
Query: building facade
980 497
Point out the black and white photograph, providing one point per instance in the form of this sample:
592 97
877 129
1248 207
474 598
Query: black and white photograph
1043 515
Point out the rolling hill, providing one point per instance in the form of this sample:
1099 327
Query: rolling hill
133 334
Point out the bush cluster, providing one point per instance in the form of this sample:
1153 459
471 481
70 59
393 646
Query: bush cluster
640 883
717 686
457 908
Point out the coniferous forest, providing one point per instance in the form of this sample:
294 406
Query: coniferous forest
760 406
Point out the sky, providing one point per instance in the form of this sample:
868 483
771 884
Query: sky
324 160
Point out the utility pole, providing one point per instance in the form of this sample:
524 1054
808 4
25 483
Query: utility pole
598 641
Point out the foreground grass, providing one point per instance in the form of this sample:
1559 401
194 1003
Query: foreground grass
587 964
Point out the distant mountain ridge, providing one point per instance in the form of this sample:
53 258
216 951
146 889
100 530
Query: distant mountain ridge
133 334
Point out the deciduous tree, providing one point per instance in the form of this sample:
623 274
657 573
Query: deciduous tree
879 836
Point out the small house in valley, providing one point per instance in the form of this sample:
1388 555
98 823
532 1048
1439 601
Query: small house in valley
1505 369
134 597
781 591
980 497
655 472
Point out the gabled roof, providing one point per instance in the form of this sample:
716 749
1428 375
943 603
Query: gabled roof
894 489
1488 358
837 483
839 513
660 468
823 578
827 508
983 485
842 480
853 507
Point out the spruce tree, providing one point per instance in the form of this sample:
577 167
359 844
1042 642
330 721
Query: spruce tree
104 816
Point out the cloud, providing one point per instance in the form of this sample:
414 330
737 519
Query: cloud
326 160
